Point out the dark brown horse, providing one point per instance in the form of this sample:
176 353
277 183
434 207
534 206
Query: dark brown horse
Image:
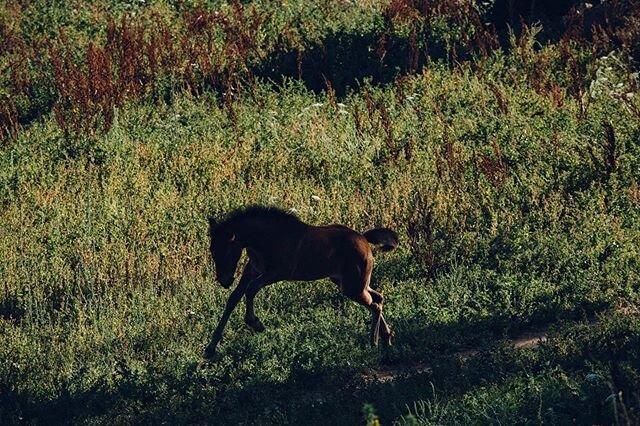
281 247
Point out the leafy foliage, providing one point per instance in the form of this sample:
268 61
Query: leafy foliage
509 165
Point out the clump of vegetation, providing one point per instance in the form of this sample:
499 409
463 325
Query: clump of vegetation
506 157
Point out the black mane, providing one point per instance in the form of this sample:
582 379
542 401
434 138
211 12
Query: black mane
258 213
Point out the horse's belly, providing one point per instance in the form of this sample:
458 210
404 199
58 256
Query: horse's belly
308 271
319 253
314 263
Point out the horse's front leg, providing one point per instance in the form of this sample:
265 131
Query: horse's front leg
250 317
234 298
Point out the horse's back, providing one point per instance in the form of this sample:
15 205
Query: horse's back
324 251
344 237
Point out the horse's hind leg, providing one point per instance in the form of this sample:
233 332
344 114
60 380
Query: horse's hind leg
385 330
376 317
365 299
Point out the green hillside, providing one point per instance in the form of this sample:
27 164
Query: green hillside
503 147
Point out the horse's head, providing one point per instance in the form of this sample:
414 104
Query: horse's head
225 250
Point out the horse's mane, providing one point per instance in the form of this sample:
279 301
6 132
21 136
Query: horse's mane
257 213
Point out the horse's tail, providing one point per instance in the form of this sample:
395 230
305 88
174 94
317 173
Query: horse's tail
384 238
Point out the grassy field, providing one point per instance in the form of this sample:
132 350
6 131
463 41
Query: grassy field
508 162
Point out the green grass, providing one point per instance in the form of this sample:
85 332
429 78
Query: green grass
512 217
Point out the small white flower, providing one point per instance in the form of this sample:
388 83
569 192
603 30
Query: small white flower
317 105
341 105
315 198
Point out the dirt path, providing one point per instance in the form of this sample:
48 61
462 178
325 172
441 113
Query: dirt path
529 340
382 374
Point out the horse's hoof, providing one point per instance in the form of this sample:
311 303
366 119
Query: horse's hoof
258 327
255 324
209 352
389 338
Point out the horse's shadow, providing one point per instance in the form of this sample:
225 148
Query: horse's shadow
426 357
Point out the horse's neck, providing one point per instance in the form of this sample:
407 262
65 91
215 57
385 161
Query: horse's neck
247 230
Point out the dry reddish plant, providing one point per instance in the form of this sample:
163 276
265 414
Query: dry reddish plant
634 193
454 165
610 156
131 56
371 106
557 96
409 149
403 11
85 91
357 120
494 168
387 127
417 15
214 51
607 162
421 236
8 118
14 48
503 102
414 51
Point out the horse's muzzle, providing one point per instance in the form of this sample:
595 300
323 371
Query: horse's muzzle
226 281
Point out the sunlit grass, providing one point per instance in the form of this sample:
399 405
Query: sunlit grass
499 180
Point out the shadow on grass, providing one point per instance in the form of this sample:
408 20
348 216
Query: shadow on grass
210 394
343 61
